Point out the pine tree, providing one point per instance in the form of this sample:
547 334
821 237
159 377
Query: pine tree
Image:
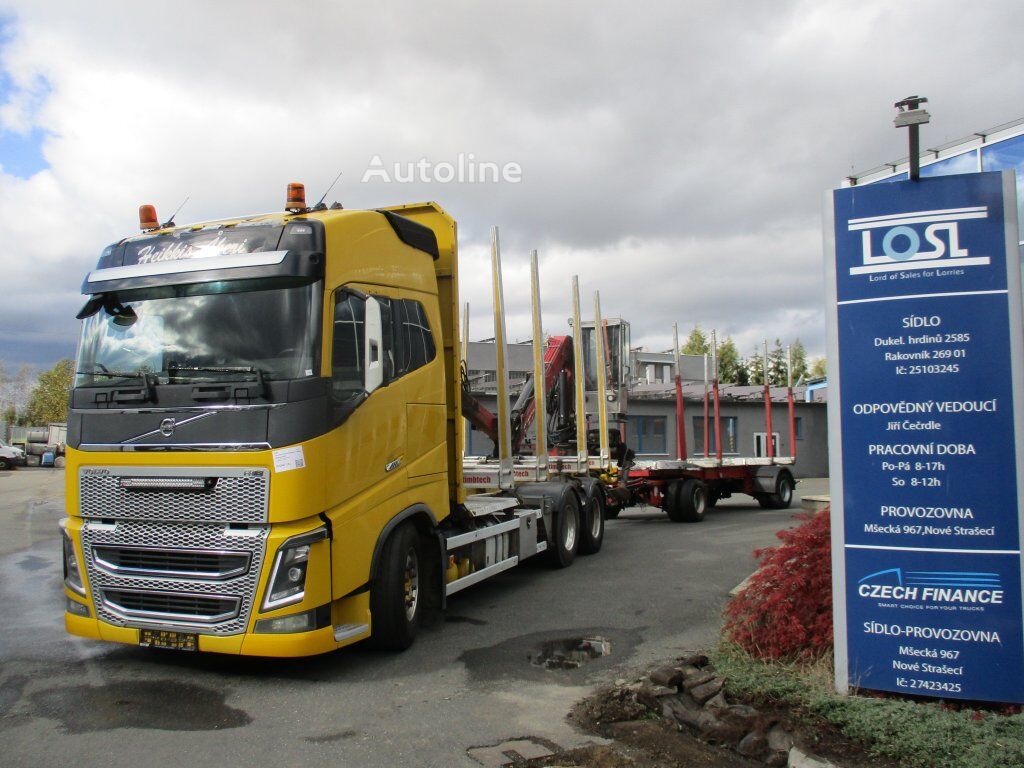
777 366
799 355
696 343
755 368
730 370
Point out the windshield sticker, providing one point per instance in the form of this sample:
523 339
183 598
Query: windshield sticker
286 459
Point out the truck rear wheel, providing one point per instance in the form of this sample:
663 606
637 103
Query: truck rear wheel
564 537
783 495
687 501
592 530
396 597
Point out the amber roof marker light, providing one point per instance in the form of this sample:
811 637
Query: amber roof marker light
296 199
147 218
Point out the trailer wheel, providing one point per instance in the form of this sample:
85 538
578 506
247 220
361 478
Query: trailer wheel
783 495
687 501
564 538
396 596
5 463
592 530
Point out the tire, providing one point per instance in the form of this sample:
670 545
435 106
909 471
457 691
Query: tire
592 528
712 498
687 501
6 463
783 495
397 594
564 540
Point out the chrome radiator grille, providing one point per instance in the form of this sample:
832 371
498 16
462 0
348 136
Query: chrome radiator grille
145 594
220 494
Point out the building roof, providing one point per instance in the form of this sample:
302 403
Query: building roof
731 393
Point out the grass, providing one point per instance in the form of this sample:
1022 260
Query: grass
910 733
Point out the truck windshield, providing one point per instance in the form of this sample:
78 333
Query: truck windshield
210 332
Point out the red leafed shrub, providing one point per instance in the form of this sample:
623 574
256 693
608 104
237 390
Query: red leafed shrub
785 612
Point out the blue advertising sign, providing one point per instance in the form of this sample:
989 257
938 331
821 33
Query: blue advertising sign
925 431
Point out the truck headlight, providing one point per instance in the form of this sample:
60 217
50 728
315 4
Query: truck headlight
287 583
72 576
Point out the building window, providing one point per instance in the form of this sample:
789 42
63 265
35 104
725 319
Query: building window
798 427
647 434
730 431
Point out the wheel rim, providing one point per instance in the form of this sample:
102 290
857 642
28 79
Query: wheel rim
595 519
412 584
568 529
699 501
786 492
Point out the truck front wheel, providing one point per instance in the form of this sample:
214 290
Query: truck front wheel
396 597
564 537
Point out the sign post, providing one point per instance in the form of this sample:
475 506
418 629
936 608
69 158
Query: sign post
926 436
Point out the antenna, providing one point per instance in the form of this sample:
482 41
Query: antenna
321 200
170 221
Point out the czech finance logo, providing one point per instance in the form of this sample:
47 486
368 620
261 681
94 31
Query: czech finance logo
894 242
971 587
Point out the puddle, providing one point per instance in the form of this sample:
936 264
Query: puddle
571 653
164 705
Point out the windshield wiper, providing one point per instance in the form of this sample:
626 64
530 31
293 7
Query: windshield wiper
146 379
259 373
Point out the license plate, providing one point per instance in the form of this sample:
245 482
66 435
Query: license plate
176 641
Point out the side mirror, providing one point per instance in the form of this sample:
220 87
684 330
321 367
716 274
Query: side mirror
373 352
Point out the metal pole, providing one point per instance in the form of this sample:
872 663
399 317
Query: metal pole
714 387
579 373
540 409
707 423
602 385
680 412
467 433
505 477
768 406
790 403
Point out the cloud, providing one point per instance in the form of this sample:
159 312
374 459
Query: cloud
674 155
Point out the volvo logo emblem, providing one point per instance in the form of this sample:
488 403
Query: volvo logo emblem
167 427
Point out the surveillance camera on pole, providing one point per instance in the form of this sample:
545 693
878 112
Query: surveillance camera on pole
911 115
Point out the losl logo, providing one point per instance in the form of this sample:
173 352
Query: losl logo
894 242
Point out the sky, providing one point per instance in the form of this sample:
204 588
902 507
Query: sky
674 155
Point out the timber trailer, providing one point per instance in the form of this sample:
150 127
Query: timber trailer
684 487
265 437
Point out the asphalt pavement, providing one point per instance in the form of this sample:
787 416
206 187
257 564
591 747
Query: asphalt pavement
473 679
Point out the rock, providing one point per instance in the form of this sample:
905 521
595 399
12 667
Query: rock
800 759
701 693
682 709
718 701
670 677
741 716
694 659
754 745
650 696
714 729
779 739
693 677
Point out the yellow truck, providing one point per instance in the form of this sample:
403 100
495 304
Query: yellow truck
264 450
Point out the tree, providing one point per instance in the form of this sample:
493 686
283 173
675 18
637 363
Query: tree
49 399
799 356
817 369
755 368
696 343
730 370
14 391
777 365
